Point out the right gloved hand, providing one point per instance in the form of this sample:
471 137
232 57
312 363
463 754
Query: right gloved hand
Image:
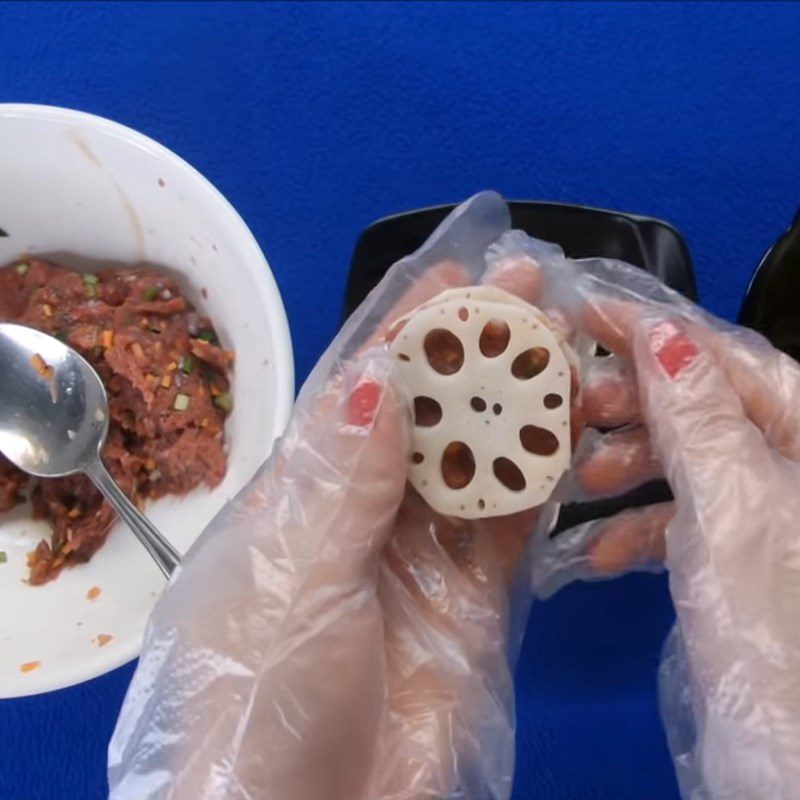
715 409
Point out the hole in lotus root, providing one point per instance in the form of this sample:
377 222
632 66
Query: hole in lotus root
497 408
530 363
444 351
553 400
463 314
495 337
394 331
478 404
509 474
538 441
417 458
427 412
458 465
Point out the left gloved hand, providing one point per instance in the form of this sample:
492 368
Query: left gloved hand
330 637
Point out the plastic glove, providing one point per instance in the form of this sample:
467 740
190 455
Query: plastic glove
714 409
329 637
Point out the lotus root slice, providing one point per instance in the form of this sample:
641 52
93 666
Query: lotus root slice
490 382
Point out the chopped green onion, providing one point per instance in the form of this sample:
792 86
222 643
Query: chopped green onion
181 402
22 269
97 351
151 293
207 336
224 401
3 557
187 365
62 336
90 284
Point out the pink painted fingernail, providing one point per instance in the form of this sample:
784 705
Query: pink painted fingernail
672 347
362 405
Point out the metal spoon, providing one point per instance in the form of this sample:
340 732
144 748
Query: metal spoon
54 422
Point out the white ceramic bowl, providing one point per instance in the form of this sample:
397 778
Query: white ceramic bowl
84 190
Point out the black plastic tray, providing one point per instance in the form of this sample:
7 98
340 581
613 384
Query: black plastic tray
772 303
582 232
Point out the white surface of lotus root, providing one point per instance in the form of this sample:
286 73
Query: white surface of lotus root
490 381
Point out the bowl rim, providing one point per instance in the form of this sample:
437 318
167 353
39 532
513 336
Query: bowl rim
272 300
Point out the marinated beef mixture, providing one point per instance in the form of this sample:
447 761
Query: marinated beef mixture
167 383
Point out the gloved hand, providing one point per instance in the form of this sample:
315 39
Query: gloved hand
714 408
330 637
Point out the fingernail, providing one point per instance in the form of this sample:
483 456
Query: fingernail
672 347
362 405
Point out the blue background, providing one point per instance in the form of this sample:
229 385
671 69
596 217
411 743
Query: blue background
316 119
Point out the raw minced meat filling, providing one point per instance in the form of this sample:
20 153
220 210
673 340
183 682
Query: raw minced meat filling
168 390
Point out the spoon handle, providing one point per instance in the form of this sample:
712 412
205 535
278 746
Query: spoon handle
163 553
